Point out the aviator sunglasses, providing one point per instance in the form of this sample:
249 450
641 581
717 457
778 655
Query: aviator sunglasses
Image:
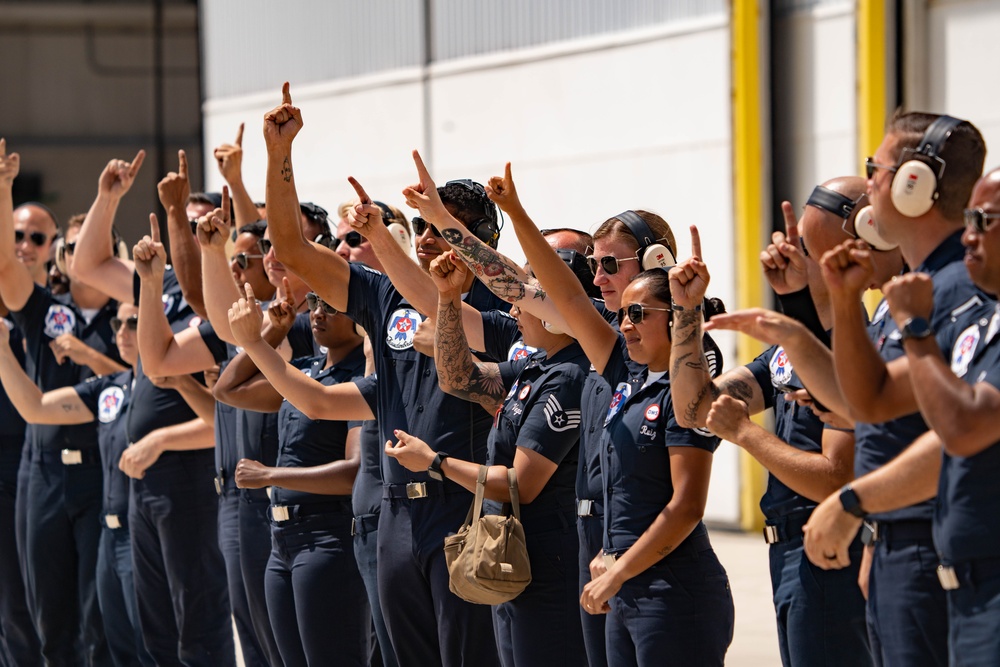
636 312
979 220
313 300
420 226
131 323
264 245
871 165
243 259
37 238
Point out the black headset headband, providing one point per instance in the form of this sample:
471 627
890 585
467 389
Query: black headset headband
834 202
388 217
642 233
936 135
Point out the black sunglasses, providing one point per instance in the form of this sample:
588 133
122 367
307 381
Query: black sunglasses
352 239
871 165
420 226
243 259
979 219
608 262
131 323
313 300
38 238
70 247
636 312
264 245
194 225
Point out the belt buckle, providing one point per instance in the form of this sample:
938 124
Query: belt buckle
354 526
947 577
416 490
279 513
870 533
72 457
112 521
218 485
585 508
609 560
771 535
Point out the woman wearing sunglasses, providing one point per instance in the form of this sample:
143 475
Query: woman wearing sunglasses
316 600
103 400
657 577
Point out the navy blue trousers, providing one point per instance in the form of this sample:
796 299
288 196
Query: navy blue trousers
366 555
428 624
679 610
907 608
62 533
229 544
18 641
315 596
116 594
820 613
541 626
974 620
255 551
590 531
180 576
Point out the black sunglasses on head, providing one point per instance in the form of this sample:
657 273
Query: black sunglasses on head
131 323
313 301
420 226
636 312
264 245
38 238
243 259
979 219
608 262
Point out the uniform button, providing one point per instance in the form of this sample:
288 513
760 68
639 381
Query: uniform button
420 408
591 429
584 467
610 448
642 449
427 373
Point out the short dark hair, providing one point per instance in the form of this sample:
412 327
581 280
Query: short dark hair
586 241
213 199
469 203
257 228
963 153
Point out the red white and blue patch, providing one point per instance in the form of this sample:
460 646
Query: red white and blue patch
109 404
525 390
622 392
653 412
964 350
402 328
520 351
781 368
59 319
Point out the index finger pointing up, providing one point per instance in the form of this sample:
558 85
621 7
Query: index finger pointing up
239 135
695 242
286 96
248 290
3 147
182 164
154 228
136 163
791 224
421 169
359 190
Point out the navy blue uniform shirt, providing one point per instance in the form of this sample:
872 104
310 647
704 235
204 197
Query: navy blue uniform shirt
967 516
639 429
12 426
304 442
796 425
954 293
408 394
107 397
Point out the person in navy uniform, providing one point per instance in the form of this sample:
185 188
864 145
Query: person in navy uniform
59 497
315 595
820 614
427 624
537 432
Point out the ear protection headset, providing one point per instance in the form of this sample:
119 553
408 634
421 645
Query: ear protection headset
118 247
486 229
399 231
914 187
652 254
863 226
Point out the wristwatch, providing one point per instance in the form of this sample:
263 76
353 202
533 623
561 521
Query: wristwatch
434 471
851 503
916 327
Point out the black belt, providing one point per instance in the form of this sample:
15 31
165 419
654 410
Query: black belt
364 524
785 528
282 513
546 522
68 457
413 490
914 530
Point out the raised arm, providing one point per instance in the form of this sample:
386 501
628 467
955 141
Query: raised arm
459 373
61 406
230 160
874 390
338 402
161 352
16 284
335 478
218 284
93 262
964 415
322 269
174 190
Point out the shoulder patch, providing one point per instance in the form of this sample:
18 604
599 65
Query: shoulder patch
880 311
520 351
168 303
402 328
622 392
59 319
964 350
557 418
781 368
109 404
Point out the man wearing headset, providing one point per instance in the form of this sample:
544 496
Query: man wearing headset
919 180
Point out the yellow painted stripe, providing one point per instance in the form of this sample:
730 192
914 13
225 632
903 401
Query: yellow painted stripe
748 186
872 94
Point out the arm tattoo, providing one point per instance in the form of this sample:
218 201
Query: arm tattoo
497 273
457 369
738 389
286 170
686 318
68 407
691 412
665 550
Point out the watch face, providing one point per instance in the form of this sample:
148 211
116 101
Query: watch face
918 327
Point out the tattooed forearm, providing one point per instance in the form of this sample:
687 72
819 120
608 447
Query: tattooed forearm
676 367
497 272
665 550
710 392
286 169
458 372
686 318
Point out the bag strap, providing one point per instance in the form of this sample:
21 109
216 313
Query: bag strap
515 500
477 506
